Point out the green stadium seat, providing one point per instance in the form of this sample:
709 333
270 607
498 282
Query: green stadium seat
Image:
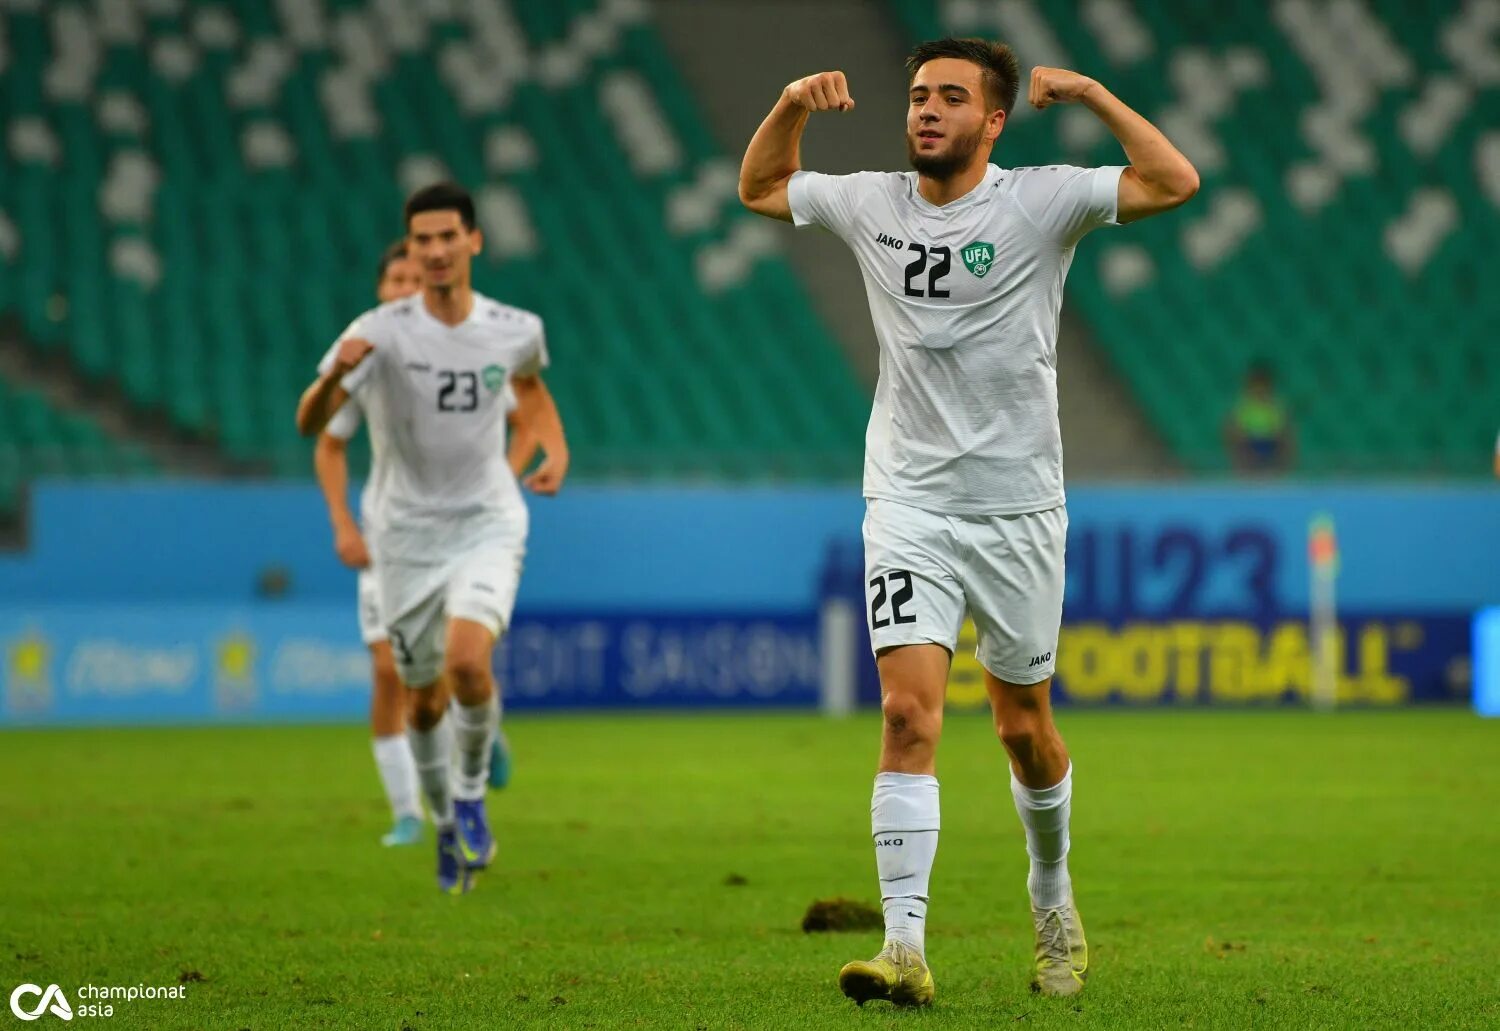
1388 369
260 266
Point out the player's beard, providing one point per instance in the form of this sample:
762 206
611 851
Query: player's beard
946 165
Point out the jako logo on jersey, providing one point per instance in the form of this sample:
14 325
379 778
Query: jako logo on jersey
494 378
1041 659
53 996
889 241
979 256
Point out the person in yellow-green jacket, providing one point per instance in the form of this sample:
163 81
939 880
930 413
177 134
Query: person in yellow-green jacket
1259 433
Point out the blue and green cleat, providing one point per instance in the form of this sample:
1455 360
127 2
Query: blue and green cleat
476 845
453 874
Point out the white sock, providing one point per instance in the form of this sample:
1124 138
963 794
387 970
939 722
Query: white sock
398 772
904 819
1044 814
433 751
474 727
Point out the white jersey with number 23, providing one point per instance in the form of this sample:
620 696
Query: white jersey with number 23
435 399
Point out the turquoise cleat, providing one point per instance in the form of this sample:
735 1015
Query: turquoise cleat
407 831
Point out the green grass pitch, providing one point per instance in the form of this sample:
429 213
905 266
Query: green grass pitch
1234 869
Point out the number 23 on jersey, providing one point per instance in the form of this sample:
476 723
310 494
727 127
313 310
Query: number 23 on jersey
458 389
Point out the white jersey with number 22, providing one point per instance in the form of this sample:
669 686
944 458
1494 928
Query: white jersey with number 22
965 300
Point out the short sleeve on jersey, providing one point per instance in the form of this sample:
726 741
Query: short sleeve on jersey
345 421
1066 202
368 326
823 200
536 358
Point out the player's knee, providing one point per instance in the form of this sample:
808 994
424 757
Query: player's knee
467 670
387 679
426 709
1023 726
907 721
1019 735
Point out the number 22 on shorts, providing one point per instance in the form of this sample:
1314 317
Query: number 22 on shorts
900 580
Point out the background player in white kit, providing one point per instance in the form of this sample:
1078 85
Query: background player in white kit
396 276
964 265
446 518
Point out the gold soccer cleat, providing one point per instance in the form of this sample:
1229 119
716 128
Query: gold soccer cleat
898 974
1062 954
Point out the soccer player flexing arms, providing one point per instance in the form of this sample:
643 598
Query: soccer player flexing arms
446 518
964 265
396 276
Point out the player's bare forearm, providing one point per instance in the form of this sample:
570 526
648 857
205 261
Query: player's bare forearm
1165 176
331 463
331 466
1160 176
774 154
522 446
327 394
775 151
547 427
538 411
319 402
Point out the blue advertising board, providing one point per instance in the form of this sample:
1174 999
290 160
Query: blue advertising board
1166 549
1487 662
139 601
116 664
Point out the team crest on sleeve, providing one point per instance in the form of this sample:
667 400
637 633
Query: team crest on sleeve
978 257
494 378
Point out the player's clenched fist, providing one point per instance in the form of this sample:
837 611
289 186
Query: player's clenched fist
352 351
1057 86
549 476
349 545
826 91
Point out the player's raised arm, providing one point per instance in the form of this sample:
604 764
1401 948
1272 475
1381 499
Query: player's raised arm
327 394
1159 177
775 149
536 411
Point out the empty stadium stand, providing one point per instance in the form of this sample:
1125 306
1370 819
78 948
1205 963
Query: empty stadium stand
192 196
37 439
1350 160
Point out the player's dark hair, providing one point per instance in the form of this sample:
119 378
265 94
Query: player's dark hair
1000 72
441 197
395 252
